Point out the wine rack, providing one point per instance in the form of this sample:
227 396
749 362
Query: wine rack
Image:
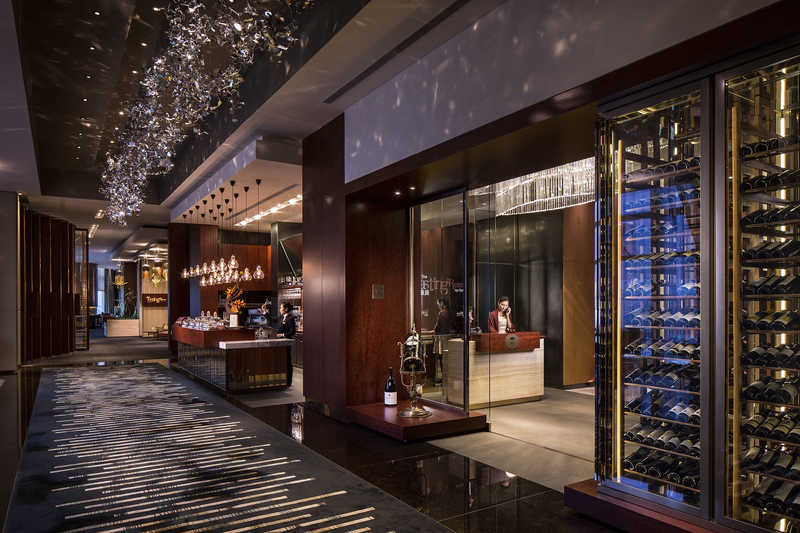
763 355
656 167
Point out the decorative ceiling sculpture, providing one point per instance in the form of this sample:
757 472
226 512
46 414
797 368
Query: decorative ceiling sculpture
210 45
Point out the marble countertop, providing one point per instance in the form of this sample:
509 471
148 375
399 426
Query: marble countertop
258 343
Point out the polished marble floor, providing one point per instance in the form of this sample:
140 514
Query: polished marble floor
464 494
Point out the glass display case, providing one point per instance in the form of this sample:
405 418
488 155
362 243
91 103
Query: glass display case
652 286
762 470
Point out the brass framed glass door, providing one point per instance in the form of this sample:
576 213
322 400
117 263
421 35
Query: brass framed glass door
654 166
762 292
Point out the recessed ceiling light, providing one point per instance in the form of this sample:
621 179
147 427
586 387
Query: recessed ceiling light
135 71
116 128
112 142
143 43
88 77
397 193
91 48
97 13
85 99
412 188
121 112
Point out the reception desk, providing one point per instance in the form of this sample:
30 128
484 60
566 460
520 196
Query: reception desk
503 369
232 359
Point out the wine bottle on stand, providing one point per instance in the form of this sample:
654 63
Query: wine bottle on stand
390 391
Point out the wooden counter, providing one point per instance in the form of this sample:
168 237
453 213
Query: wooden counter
512 374
210 338
232 359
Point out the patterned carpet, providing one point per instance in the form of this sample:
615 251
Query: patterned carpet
139 448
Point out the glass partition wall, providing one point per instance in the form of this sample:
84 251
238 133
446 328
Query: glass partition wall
437 295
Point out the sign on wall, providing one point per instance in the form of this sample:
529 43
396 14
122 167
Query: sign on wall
154 300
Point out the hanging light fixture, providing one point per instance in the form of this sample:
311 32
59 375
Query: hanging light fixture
258 273
203 281
246 276
233 263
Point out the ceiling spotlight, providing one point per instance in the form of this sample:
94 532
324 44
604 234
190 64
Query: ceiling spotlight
143 43
85 99
121 112
115 128
397 193
91 48
135 71
97 13
88 77
412 188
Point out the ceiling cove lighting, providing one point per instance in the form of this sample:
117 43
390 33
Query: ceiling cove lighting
179 91
274 209
546 190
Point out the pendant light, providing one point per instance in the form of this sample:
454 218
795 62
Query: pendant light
258 273
233 264
185 271
197 269
221 266
246 276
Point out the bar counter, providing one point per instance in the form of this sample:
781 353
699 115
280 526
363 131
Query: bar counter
232 359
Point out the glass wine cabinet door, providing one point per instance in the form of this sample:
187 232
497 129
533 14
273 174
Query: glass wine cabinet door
654 161
763 284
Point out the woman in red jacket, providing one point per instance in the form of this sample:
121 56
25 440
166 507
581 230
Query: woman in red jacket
500 318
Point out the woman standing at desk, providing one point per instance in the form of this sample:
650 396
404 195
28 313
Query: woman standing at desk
500 318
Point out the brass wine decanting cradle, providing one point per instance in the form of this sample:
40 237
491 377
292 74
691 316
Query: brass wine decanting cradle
410 365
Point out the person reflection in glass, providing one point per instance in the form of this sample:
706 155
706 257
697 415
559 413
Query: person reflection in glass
500 318
444 323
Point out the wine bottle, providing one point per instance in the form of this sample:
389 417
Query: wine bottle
630 462
778 500
751 424
628 435
390 391
662 467
751 457
782 464
695 417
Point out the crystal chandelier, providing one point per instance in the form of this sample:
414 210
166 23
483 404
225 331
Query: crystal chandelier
554 188
179 91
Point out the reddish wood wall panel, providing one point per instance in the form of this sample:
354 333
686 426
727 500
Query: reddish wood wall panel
325 313
377 253
48 291
177 287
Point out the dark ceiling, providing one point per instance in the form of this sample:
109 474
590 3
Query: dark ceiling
80 61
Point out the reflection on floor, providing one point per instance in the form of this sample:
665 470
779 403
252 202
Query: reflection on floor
168 455
112 349
293 394
464 494
550 441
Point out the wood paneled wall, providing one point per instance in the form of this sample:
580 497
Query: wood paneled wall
325 313
578 299
178 288
377 253
49 297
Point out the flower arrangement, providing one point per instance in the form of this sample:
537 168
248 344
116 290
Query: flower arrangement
233 299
